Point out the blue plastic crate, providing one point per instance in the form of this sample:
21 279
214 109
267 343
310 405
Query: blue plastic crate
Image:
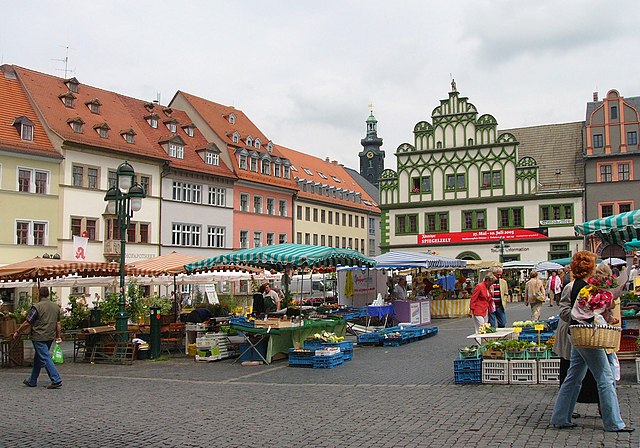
468 377
344 345
348 355
299 359
312 344
369 338
241 321
328 362
467 364
552 323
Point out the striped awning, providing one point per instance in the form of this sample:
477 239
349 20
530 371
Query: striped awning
283 255
41 268
407 260
172 263
613 229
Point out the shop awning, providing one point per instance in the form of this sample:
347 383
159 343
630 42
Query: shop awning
41 268
631 245
613 229
408 260
172 263
282 255
517 264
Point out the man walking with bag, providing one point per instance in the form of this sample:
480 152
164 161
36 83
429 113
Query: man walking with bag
43 321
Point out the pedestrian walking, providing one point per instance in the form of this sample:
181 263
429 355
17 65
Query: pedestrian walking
499 293
481 301
633 274
534 295
43 323
554 288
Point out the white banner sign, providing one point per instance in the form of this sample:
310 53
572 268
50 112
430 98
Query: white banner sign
80 245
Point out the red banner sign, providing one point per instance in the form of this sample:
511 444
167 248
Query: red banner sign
482 236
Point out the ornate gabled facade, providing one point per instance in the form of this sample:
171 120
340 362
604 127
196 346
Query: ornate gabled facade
611 156
462 186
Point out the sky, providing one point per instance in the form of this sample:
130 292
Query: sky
306 72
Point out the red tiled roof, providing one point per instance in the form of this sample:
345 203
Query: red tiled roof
45 90
15 104
192 160
335 176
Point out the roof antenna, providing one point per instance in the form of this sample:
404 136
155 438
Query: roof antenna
157 100
66 69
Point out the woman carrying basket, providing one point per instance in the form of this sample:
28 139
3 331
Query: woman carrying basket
594 359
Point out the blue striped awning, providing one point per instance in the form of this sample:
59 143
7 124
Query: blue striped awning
613 229
282 255
407 260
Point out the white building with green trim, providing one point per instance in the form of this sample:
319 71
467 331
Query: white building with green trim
463 186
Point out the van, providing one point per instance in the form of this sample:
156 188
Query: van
317 288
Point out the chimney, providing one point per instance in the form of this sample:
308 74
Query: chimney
335 162
595 96
326 160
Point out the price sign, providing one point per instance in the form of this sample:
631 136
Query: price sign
538 327
517 329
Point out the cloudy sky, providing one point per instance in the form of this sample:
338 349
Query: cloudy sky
305 72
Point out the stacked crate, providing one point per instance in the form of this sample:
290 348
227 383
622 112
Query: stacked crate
467 371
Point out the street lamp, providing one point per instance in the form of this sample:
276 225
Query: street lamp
501 246
122 200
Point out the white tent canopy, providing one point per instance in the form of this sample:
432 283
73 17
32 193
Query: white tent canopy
407 260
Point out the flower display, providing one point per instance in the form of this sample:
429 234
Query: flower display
603 281
592 299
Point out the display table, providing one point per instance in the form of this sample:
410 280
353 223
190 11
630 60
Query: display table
282 339
448 308
414 312
501 333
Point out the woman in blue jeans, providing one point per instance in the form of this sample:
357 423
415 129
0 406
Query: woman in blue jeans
588 358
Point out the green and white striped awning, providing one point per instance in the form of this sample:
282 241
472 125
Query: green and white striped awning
613 229
282 255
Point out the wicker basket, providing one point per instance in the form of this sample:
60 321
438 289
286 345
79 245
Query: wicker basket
595 336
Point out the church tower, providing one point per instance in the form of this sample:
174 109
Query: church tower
371 157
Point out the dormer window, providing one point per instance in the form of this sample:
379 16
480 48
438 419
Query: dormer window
167 111
171 125
253 164
176 150
128 135
276 169
236 137
67 99
321 175
286 172
94 106
270 146
266 167
76 124
189 130
242 162
102 130
257 143
335 178
249 141
149 106
308 171
72 85
25 127
211 158
232 118
293 167
152 120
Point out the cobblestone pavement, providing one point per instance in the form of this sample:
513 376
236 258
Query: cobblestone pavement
386 397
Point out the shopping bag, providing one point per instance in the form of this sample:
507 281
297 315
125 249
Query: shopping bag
57 355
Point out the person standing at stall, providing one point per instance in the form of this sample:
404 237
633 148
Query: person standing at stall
499 292
481 301
534 295
400 290
271 299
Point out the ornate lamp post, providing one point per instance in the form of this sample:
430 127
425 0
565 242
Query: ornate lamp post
501 246
122 200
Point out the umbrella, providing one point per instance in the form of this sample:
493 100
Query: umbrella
613 261
631 245
517 264
548 266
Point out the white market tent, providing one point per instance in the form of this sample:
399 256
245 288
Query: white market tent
408 260
519 264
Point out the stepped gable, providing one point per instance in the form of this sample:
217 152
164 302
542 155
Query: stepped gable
335 175
47 92
217 117
192 160
554 147
15 104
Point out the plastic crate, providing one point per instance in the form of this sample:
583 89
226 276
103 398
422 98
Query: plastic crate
468 377
541 354
520 354
312 344
300 359
328 362
628 343
522 371
549 371
469 364
552 323
369 338
347 355
495 371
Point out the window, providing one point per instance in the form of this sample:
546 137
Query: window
244 202
605 173
307 238
271 206
323 217
436 222
406 224
189 130
299 212
282 238
357 247
112 179
315 215
76 126
185 192
215 236
614 112
361 222
78 176
218 196
474 220
623 208
286 172
344 219
31 233
510 217
253 164
632 138
299 238
176 150
33 181
266 167
276 169
282 207
232 118
321 175
144 232
598 142
315 239
257 239
67 99
242 162
344 242
244 239
257 204
153 121
613 208
308 171
86 227
350 220
456 182
330 220
606 210
257 143
102 130
270 239
421 184
491 179
559 250
129 137
623 171
211 158
372 226
26 132
145 183
185 235
307 214
330 241
94 106
171 126
323 240
556 214
249 141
